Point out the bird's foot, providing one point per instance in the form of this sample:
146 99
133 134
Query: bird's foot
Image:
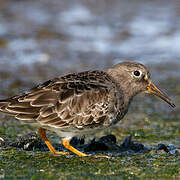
61 153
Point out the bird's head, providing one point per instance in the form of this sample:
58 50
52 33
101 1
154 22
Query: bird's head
134 78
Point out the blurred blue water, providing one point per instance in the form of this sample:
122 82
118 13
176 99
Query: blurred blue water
89 34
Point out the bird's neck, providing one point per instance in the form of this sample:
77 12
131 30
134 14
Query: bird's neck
128 97
124 86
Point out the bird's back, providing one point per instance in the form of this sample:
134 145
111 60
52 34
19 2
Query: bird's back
80 99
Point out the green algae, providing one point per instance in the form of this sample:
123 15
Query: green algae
16 164
20 164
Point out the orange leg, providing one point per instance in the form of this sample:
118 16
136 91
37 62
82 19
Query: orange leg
67 145
42 133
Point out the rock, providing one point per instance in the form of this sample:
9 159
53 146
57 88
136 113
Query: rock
128 144
163 147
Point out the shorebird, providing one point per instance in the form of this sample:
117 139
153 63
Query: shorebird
80 104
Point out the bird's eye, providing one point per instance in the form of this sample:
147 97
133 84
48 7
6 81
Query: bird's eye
137 73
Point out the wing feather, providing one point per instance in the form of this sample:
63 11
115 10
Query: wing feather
80 99
44 112
26 116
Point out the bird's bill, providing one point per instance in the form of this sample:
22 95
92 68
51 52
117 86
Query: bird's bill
152 89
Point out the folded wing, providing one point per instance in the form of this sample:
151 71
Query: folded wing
80 99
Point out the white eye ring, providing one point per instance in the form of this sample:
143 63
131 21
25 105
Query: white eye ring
137 73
